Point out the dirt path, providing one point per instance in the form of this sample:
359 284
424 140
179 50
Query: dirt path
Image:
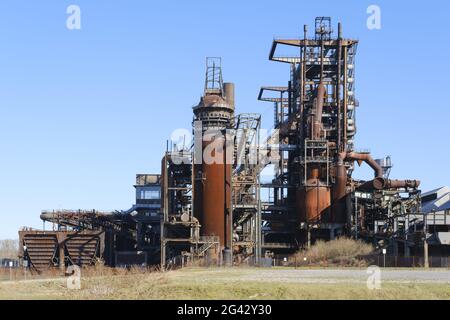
351 276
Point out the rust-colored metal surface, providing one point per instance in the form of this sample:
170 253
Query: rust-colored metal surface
384 184
212 188
395 184
216 193
313 202
365 157
228 92
338 213
41 248
52 249
318 110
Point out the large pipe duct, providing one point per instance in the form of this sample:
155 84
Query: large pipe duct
395 184
367 158
318 110
383 184
378 183
340 187
339 191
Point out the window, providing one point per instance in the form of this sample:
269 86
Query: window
146 194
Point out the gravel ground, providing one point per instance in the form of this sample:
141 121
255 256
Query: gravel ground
349 276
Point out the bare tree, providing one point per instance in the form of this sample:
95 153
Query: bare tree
9 249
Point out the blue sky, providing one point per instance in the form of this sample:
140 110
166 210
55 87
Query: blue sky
83 111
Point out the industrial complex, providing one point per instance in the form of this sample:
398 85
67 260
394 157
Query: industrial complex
209 205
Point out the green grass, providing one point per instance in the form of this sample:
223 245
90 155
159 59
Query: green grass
213 284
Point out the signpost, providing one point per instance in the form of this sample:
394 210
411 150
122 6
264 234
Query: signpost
11 264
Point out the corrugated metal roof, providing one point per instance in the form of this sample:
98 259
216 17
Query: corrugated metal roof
439 191
441 203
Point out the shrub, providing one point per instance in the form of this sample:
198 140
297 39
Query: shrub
342 252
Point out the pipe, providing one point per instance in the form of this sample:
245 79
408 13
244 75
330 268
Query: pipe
318 110
379 183
367 158
338 91
339 192
290 109
228 92
382 184
395 184
341 177
375 184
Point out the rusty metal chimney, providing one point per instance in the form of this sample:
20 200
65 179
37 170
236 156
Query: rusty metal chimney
228 93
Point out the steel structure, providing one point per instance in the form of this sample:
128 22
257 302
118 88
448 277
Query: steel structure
119 238
207 204
211 191
56 249
315 117
246 204
180 229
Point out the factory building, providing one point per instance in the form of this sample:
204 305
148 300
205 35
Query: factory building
209 206
436 207
84 237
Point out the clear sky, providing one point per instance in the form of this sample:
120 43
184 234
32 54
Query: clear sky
83 111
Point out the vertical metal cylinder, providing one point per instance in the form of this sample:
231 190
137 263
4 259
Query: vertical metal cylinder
228 93
215 194
339 193
212 197
340 114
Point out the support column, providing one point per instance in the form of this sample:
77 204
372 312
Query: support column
395 248
332 237
425 243
407 250
308 237
425 254
163 254
61 237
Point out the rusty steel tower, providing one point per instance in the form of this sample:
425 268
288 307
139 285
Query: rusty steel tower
315 116
213 116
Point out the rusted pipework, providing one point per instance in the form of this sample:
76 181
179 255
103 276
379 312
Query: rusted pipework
378 183
382 184
341 176
367 158
339 190
338 91
339 214
392 184
375 184
318 110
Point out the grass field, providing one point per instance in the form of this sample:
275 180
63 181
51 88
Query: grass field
237 283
